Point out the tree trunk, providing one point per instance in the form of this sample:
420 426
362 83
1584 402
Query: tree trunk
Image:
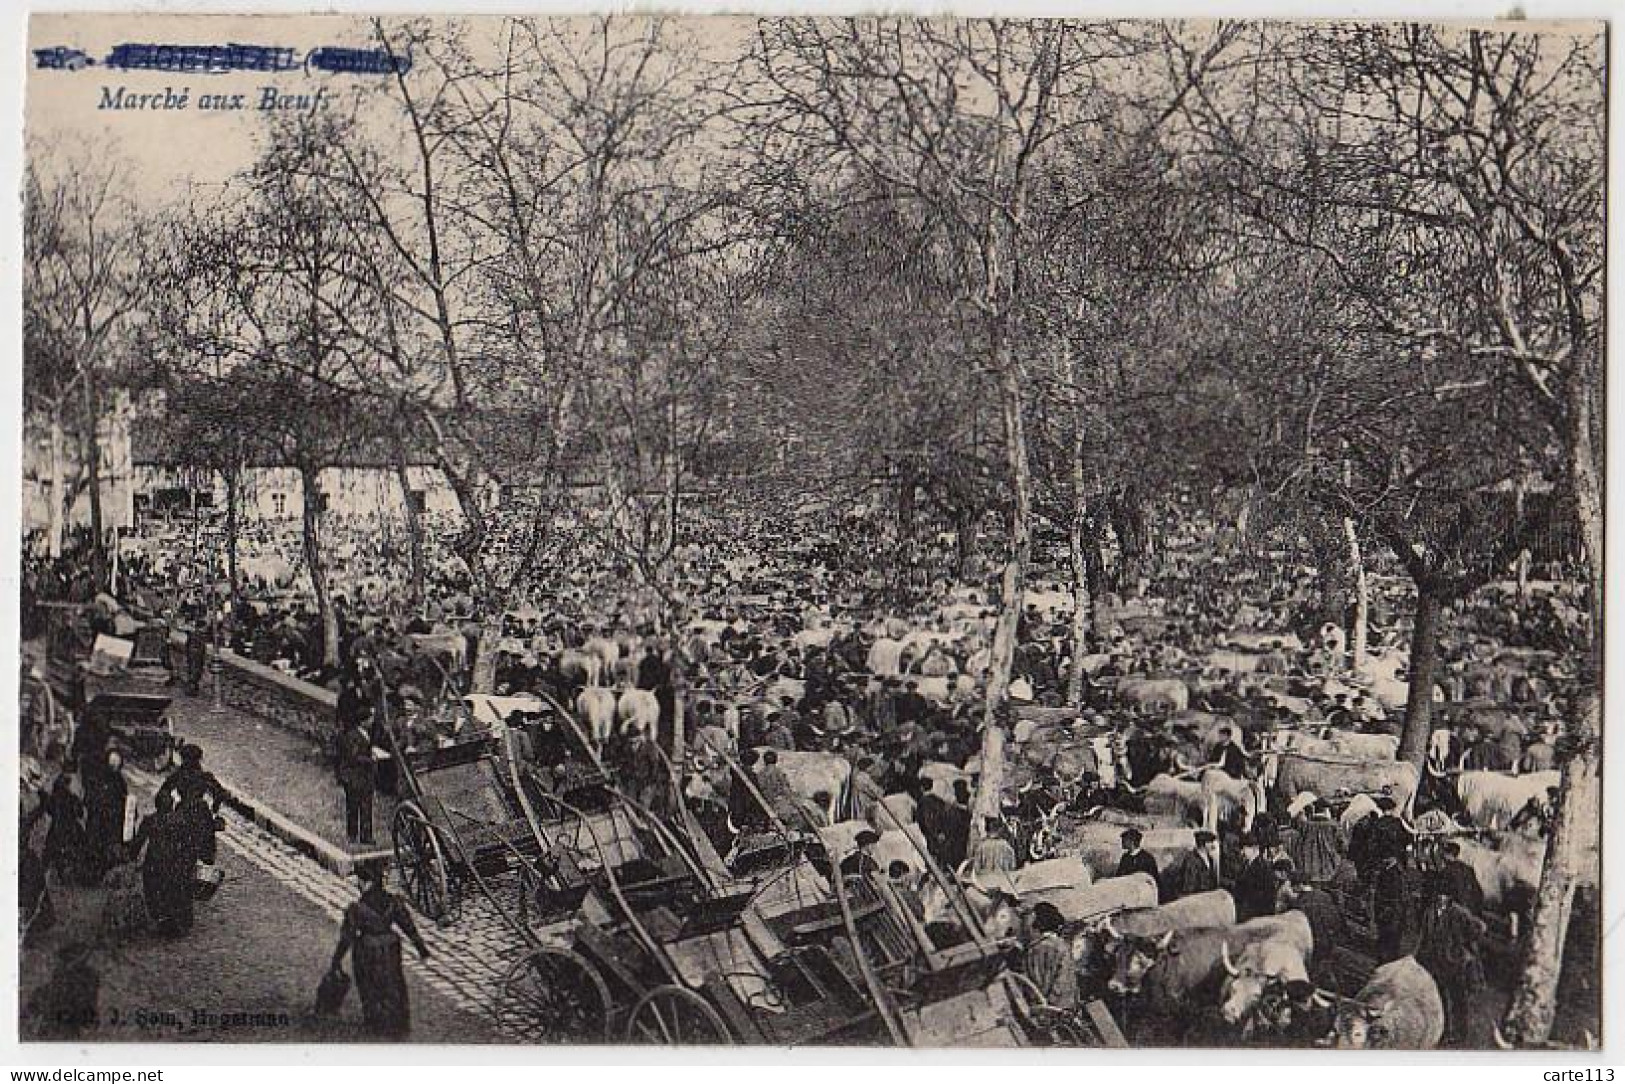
234 483
1129 525
905 504
1078 540
58 485
1362 597
414 531
93 466
1413 740
991 784
965 543
1082 612
1576 824
311 494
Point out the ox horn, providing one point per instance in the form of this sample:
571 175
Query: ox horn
1322 999
1224 957
1501 1040
1165 940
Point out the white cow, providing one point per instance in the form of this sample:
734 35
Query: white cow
1363 746
596 706
811 774
941 777
637 709
583 664
885 656
1492 798
608 651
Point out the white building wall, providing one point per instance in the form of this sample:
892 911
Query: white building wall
117 472
276 494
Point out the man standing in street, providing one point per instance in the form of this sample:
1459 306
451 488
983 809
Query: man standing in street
356 776
956 822
1135 860
1194 872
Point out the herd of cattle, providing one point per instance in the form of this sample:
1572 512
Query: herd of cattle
1144 747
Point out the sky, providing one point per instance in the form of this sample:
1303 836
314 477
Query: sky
173 154
176 155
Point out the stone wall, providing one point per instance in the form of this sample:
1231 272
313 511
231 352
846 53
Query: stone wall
266 693
269 694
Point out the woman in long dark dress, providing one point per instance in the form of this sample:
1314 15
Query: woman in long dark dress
368 935
65 839
105 795
174 841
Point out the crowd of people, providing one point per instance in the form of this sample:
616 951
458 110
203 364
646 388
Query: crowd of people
761 645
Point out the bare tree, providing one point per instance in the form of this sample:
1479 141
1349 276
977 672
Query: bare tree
953 115
83 290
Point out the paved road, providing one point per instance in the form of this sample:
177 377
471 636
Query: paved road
290 772
260 946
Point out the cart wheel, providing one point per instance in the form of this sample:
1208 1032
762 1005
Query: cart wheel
673 1016
421 862
1043 1022
553 995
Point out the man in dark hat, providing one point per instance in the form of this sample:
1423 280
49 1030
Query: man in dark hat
778 734
900 882
956 825
1325 915
1194 872
1455 879
1135 860
1230 758
861 862
357 777
1256 883
1391 905
191 770
368 935
1050 965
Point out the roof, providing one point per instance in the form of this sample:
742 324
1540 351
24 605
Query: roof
150 446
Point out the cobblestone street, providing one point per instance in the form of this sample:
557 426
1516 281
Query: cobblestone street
261 945
287 771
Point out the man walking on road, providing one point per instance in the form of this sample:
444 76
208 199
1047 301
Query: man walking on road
356 776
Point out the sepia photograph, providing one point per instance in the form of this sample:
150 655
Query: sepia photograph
809 531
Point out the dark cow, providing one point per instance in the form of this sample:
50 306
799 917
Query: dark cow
1183 970
1099 949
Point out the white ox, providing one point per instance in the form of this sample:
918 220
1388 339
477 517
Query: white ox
885 657
811 774
906 845
1155 694
596 707
1492 798
1206 801
1283 957
638 709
